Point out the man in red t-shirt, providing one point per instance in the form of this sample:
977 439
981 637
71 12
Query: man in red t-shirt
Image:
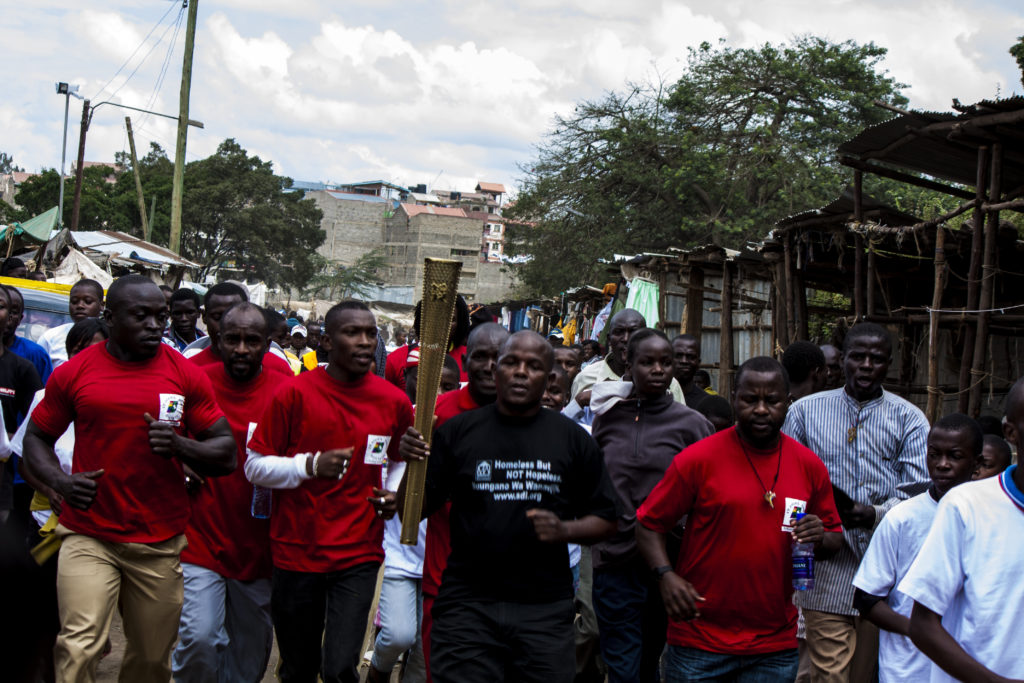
729 597
216 302
479 362
225 631
320 445
395 364
123 508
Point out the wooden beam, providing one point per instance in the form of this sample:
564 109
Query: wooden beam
693 312
988 276
886 172
858 246
934 405
725 345
977 236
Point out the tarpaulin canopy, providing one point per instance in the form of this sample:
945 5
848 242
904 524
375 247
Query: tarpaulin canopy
37 229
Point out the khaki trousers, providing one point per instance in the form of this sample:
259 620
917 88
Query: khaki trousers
842 648
91 576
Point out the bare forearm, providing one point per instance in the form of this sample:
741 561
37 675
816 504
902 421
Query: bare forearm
41 461
931 638
588 529
884 617
35 482
652 546
211 457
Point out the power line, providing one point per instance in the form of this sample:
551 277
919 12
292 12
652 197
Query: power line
163 69
134 52
142 61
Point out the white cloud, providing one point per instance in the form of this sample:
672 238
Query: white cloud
400 91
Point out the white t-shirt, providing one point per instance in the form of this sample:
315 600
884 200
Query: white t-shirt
969 571
54 342
893 547
401 560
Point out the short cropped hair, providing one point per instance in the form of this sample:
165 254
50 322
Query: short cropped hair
638 337
225 289
801 358
961 424
186 294
866 330
762 364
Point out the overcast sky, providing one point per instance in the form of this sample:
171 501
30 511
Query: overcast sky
443 93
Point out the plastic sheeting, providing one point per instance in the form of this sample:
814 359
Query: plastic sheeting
76 266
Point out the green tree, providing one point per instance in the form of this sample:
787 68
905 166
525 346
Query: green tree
335 281
744 138
1017 52
41 193
236 212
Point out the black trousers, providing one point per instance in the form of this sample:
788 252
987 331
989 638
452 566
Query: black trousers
502 641
330 608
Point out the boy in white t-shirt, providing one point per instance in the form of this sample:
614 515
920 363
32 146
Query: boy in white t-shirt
954 449
966 581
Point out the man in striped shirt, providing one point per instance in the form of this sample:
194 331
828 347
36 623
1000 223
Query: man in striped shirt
873 444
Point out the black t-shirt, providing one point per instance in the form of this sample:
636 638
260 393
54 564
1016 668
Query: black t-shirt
19 382
694 395
494 468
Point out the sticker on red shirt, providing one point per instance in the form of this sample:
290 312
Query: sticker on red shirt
376 449
794 506
172 409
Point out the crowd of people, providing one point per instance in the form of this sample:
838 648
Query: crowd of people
589 514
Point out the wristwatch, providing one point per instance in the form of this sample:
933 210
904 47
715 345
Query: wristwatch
661 571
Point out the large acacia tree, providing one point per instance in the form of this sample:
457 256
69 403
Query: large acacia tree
744 138
237 212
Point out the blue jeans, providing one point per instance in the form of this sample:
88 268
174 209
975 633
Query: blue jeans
225 632
687 664
401 616
631 622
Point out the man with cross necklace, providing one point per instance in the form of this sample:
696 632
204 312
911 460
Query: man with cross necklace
729 603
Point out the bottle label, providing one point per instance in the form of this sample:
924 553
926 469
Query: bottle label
803 567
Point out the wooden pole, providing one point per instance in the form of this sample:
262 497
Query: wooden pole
934 407
971 304
138 178
803 329
858 246
781 307
725 347
148 225
869 280
791 333
80 169
988 276
693 313
177 189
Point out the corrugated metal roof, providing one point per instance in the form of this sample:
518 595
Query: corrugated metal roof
945 144
122 245
425 197
416 209
842 206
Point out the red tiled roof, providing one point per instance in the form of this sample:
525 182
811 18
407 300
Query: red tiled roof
416 209
490 187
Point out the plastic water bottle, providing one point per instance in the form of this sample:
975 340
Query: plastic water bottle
803 563
261 502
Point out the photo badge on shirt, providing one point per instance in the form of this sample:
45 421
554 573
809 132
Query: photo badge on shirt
794 506
376 449
172 409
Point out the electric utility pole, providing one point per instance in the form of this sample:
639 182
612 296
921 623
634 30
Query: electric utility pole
179 150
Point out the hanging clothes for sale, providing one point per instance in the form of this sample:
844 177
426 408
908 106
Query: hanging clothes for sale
643 298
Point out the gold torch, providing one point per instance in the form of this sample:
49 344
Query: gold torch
440 286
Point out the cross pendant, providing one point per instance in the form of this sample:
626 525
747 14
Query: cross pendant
851 434
769 497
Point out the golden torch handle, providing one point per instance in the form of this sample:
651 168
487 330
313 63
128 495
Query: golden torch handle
440 286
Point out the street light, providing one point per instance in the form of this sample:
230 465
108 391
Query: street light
87 113
67 91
